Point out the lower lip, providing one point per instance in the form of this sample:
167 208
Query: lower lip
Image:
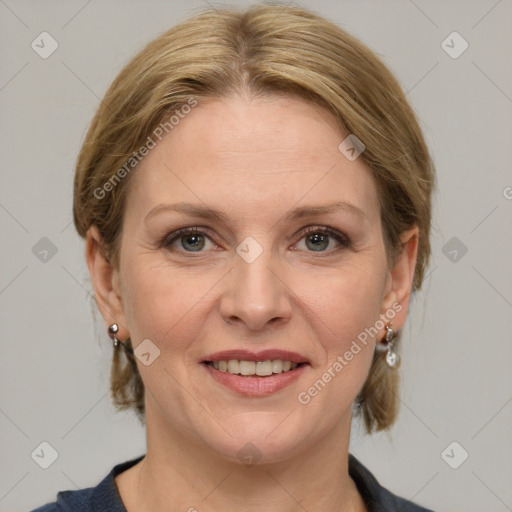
256 386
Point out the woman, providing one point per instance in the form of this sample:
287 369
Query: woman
255 196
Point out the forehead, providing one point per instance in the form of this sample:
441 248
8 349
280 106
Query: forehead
253 156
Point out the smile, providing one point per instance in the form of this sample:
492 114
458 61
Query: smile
259 368
250 384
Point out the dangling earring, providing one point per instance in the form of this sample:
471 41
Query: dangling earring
112 331
392 358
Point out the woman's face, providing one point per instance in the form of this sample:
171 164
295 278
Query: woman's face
261 276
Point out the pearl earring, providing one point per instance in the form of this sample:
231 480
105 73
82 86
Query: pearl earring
112 331
392 358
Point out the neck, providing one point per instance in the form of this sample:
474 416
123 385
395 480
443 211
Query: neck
179 472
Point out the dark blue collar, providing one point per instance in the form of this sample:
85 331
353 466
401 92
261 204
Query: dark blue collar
105 496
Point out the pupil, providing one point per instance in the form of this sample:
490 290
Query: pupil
317 240
197 245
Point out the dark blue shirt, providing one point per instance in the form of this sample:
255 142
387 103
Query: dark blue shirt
105 496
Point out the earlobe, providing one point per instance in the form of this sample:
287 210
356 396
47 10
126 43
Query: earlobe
401 277
105 281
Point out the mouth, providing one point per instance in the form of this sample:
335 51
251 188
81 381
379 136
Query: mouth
255 374
247 368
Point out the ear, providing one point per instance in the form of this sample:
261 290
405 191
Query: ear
400 279
106 283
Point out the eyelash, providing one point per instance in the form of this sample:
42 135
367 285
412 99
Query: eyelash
341 238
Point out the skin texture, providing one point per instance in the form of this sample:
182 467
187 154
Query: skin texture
255 160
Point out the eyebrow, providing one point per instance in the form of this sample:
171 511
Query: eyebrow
206 212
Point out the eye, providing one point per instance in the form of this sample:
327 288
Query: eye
318 239
190 240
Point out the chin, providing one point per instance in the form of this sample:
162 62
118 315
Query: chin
258 438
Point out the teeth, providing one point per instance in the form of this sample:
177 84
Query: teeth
260 368
233 366
277 366
247 367
264 368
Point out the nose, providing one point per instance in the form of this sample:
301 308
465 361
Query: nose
256 294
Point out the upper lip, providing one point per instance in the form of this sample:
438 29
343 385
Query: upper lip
246 355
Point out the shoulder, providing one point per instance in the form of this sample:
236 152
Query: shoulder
69 500
104 496
376 497
51 507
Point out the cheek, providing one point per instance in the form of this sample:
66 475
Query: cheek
344 313
163 302
340 318
351 297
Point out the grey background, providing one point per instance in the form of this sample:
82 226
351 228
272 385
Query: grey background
55 359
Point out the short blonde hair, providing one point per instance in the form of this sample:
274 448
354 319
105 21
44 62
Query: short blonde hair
266 49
